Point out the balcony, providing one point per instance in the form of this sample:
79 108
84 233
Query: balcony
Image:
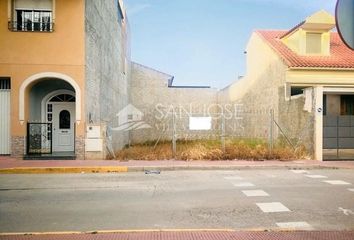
29 26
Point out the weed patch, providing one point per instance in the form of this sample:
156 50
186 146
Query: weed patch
244 149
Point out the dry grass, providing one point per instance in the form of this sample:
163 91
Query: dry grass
245 149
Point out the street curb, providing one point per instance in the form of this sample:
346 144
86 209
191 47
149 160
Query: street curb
123 169
197 168
118 231
63 170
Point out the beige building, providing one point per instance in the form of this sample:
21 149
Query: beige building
58 93
306 76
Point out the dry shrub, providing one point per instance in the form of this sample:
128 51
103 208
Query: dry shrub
247 149
200 152
146 152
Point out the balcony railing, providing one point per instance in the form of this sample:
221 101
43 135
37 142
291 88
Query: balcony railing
29 26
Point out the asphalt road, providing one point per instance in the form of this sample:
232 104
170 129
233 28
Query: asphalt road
178 200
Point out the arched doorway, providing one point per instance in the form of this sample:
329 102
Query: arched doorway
54 108
43 77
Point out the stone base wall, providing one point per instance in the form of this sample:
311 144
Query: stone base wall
18 146
80 148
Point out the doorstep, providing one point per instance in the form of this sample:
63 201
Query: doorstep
51 156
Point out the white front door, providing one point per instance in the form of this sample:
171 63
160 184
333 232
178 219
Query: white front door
63 127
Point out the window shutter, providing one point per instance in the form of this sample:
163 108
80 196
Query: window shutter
34 4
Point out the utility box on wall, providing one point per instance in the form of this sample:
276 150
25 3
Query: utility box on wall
93 132
93 141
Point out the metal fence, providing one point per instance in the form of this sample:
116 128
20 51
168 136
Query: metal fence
39 138
178 127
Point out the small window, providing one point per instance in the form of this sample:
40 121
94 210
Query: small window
5 83
63 98
50 108
347 105
64 119
49 131
313 43
324 104
295 91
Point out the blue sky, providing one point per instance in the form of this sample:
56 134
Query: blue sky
201 42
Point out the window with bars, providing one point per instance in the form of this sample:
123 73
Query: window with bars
33 20
5 83
32 16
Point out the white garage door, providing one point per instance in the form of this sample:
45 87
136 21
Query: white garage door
5 116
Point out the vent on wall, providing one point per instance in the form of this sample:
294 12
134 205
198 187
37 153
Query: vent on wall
5 83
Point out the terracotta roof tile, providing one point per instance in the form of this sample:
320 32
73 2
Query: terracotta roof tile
341 56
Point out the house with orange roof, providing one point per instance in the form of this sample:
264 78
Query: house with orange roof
303 80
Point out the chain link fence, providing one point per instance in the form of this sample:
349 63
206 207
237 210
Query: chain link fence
218 133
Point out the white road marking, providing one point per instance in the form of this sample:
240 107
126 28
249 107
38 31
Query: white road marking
295 225
299 171
351 189
337 182
244 184
272 207
346 212
233 178
228 172
255 193
316 176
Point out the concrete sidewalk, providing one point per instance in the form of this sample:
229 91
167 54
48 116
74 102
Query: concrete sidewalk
11 165
186 235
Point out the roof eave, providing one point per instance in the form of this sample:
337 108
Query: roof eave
291 31
322 68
